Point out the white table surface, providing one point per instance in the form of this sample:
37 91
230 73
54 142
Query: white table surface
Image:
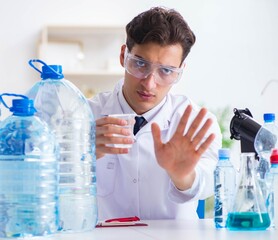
166 230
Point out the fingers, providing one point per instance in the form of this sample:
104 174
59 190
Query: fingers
108 126
204 146
156 135
110 150
102 140
110 131
102 149
194 137
196 140
110 120
196 123
184 120
200 135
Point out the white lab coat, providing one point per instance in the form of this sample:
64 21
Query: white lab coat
134 184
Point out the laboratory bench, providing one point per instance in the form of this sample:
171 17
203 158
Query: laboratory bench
166 230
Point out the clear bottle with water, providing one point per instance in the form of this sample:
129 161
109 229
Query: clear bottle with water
272 181
67 112
224 187
265 141
28 173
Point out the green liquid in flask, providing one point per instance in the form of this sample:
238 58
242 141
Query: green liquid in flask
248 221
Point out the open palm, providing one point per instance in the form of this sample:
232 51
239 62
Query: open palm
180 155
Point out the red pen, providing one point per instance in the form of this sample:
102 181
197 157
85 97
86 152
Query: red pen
126 219
122 222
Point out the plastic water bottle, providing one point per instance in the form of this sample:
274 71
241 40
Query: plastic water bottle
272 180
68 114
28 173
265 141
224 187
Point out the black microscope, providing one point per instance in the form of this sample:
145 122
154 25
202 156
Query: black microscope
244 128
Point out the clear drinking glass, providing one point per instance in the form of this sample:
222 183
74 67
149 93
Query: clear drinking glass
130 118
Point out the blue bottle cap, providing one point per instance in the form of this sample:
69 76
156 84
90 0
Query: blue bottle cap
269 117
23 107
52 71
223 153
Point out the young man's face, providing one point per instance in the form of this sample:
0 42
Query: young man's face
144 93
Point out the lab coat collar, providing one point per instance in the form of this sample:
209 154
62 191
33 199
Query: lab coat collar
162 118
113 105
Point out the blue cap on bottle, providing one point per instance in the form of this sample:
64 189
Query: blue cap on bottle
52 71
223 153
269 117
23 107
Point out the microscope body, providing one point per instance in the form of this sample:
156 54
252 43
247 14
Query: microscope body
244 128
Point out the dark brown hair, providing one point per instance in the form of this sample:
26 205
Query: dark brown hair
160 25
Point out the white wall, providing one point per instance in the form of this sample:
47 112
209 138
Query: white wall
236 52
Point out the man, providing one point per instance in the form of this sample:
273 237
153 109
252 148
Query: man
171 162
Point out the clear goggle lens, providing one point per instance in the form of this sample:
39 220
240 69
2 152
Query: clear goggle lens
140 68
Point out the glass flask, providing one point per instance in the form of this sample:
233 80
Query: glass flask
249 210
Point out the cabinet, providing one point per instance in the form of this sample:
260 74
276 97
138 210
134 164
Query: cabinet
89 55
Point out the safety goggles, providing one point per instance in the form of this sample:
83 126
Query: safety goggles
141 68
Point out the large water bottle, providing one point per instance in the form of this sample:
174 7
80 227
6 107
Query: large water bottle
224 188
28 173
68 114
265 141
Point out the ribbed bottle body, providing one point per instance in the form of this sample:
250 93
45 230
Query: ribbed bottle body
28 178
67 112
77 196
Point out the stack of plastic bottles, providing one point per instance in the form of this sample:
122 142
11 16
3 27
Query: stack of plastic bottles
47 160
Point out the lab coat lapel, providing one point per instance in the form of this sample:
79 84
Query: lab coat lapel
162 118
112 106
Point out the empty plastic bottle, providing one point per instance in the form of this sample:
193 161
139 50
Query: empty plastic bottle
272 181
265 141
224 187
67 112
28 173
